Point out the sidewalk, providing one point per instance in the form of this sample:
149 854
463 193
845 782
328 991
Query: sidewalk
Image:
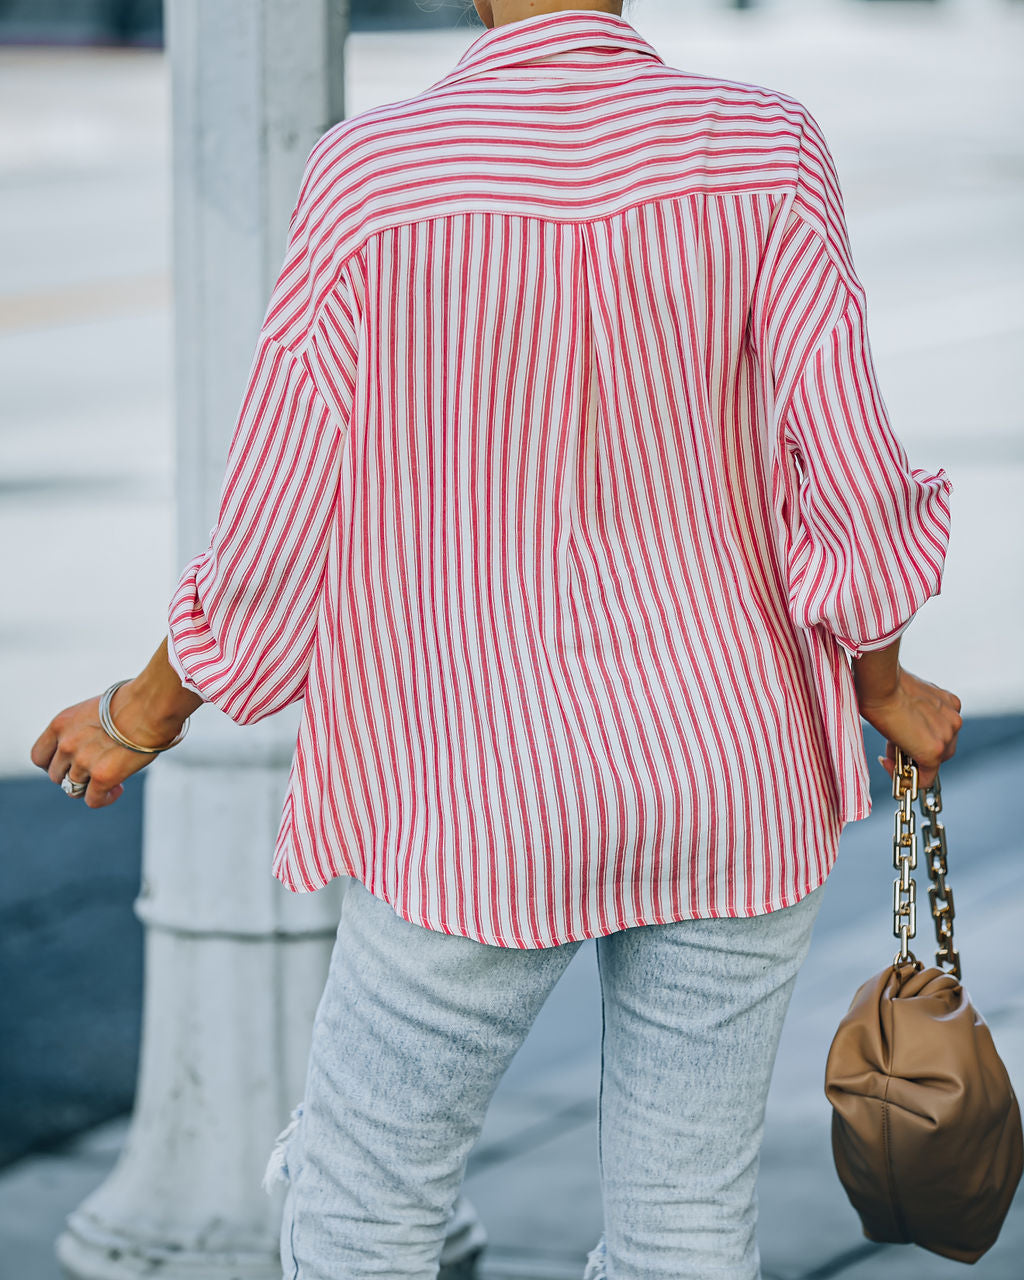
533 1175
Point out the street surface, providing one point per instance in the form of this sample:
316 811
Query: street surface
923 106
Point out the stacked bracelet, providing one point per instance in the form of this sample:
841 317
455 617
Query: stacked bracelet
107 721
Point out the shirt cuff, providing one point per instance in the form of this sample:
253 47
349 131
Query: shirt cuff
879 642
183 676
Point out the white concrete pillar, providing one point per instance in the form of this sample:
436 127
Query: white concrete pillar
235 964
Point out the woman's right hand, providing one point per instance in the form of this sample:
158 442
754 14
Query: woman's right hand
921 718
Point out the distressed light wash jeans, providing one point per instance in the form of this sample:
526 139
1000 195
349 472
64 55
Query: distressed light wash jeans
415 1029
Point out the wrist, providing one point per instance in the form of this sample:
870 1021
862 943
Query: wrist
874 689
141 716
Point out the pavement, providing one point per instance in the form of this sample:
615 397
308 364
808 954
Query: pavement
922 106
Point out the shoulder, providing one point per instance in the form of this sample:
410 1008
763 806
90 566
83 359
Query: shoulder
756 113
767 130
351 167
352 149
740 98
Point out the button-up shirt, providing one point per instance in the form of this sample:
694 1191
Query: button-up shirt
561 494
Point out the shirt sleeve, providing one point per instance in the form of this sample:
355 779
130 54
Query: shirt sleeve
862 534
866 533
242 619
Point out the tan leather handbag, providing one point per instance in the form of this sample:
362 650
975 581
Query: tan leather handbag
926 1129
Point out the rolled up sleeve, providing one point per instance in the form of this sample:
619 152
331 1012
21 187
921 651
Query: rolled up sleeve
242 619
866 534
862 535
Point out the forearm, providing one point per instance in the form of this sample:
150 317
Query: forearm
152 708
876 673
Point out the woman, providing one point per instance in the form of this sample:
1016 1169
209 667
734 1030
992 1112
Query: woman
564 497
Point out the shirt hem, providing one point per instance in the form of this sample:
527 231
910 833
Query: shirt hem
777 902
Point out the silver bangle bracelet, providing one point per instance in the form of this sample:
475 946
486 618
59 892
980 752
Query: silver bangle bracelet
107 721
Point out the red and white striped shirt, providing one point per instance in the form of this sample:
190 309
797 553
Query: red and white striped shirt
561 488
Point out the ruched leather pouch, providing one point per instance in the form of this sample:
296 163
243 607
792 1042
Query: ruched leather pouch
926 1128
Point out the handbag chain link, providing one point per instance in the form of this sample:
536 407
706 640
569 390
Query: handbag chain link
904 847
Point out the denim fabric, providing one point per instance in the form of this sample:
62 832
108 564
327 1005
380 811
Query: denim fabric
415 1029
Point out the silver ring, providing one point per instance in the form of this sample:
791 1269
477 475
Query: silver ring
74 789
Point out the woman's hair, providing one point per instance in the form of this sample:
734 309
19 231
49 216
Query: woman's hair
469 8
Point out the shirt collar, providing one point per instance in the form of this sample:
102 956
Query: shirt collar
545 37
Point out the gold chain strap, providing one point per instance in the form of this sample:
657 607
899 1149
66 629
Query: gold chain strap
904 856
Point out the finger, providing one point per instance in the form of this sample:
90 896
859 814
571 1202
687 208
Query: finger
100 794
106 799
59 762
926 774
96 795
43 748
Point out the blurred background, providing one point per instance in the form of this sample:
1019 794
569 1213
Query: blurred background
922 102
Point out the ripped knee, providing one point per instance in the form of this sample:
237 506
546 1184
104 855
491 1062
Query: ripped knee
597 1262
278 1169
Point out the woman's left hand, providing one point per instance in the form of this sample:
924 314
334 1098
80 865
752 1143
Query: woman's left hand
75 743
